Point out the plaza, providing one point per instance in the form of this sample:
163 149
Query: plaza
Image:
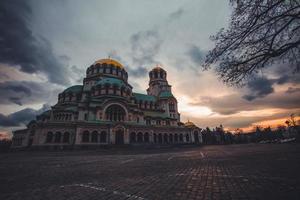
247 171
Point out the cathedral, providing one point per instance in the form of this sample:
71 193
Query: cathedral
104 110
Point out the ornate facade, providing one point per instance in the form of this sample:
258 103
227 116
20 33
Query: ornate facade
105 110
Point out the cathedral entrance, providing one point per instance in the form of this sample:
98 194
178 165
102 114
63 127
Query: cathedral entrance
119 137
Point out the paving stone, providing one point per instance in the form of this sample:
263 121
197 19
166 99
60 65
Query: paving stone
250 171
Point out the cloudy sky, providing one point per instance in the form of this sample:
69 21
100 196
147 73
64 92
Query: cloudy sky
46 46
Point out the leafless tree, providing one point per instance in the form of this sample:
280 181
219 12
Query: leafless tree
260 33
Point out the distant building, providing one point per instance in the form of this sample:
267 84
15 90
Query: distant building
105 110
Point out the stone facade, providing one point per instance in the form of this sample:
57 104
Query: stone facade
105 110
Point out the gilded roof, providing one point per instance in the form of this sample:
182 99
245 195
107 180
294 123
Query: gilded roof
109 61
189 124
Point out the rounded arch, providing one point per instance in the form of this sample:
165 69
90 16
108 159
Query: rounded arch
146 137
66 137
187 137
49 137
181 137
140 137
176 138
154 138
57 137
165 138
103 137
132 137
85 136
95 136
171 138
115 112
160 138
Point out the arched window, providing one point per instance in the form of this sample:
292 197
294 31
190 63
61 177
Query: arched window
181 138
146 137
171 107
106 88
66 137
176 138
165 138
95 136
49 137
161 74
115 87
85 136
122 91
103 137
171 138
154 138
140 137
57 137
160 138
132 137
187 137
115 113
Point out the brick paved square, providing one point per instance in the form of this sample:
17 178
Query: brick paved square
250 171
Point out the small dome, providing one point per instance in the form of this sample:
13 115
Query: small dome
189 124
109 61
158 68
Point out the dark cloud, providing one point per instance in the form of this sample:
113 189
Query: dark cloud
23 92
292 90
132 72
258 88
21 117
232 104
196 55
137 72
288 78
19 47
145 45
284 73
7 121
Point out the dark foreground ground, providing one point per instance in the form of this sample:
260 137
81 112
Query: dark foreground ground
252 171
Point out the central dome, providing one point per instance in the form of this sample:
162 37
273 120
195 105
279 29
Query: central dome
109 61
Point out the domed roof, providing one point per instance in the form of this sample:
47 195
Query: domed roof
189 124
158 68
74 88
109 61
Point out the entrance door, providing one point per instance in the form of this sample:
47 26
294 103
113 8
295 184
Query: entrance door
119 137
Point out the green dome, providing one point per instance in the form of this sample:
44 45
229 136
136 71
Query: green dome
74 89
111 81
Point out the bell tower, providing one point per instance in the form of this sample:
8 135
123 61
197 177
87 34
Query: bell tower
158 81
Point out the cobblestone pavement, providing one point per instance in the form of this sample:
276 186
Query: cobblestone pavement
250 171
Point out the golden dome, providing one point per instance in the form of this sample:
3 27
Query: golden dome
109 61
189 124
158 68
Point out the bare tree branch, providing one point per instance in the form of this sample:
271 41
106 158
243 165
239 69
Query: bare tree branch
261 32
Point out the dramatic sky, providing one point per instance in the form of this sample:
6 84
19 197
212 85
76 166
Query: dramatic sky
46 46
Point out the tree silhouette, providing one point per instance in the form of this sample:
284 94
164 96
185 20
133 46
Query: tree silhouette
261 32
